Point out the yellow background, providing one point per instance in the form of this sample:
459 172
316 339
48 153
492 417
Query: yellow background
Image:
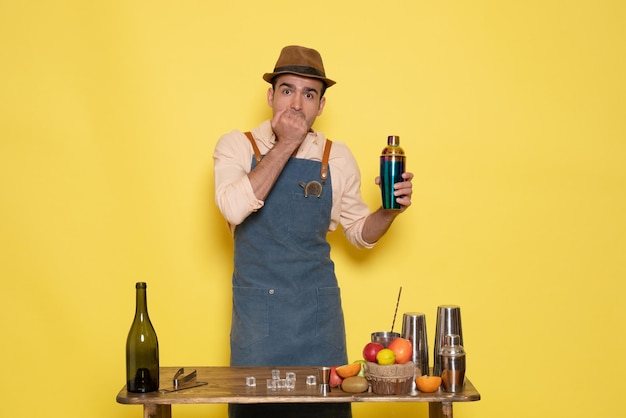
512 114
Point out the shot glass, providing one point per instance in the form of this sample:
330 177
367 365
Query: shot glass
324 380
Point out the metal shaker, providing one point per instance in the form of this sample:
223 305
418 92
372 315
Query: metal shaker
414 330
448 323
392 165
453 359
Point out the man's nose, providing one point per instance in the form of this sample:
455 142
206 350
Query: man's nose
296 102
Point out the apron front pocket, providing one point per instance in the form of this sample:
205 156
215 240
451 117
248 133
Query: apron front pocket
250 316
330 323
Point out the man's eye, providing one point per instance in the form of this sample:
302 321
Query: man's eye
309 95
287 92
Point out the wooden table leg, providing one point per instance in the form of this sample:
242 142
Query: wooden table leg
157 411
440 409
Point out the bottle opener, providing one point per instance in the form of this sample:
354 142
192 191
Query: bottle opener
182 381
312 188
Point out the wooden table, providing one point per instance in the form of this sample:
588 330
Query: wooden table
228 385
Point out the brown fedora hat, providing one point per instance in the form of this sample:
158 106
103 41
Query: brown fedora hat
299 60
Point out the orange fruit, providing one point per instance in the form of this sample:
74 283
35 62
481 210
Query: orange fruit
428 383
402 348
385 356
348 370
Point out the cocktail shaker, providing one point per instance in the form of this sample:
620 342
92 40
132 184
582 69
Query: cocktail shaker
448 323
392 166
453 357
414 330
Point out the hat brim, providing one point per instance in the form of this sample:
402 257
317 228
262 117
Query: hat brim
271 76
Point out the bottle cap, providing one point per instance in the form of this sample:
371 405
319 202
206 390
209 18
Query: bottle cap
393 140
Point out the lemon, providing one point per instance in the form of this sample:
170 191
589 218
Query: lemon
385 356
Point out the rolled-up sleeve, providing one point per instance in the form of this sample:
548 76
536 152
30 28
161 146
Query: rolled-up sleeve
234 196
349 209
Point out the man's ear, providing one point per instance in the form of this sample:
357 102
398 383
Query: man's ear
322 104
270 96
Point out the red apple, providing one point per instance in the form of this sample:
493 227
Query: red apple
335 380
402 348
370 350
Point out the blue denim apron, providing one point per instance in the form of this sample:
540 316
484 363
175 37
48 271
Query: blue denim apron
286 301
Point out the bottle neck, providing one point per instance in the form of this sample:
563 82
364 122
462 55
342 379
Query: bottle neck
141 305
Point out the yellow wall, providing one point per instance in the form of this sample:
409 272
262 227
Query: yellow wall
512 114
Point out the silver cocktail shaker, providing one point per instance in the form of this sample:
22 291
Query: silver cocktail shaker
448 323
414 330
453 359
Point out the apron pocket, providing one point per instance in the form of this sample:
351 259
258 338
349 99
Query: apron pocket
250 316
330 324
307 216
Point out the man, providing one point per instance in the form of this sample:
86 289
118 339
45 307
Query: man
282 187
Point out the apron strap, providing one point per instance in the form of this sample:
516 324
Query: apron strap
323 170
257 153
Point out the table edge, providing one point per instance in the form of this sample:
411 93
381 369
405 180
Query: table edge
156 398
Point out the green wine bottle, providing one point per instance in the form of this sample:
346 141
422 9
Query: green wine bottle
142 349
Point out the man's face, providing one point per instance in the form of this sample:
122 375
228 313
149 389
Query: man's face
300 94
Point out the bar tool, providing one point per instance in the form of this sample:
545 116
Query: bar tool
324 377
453 355
448 323
414 330
182 381
396 311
